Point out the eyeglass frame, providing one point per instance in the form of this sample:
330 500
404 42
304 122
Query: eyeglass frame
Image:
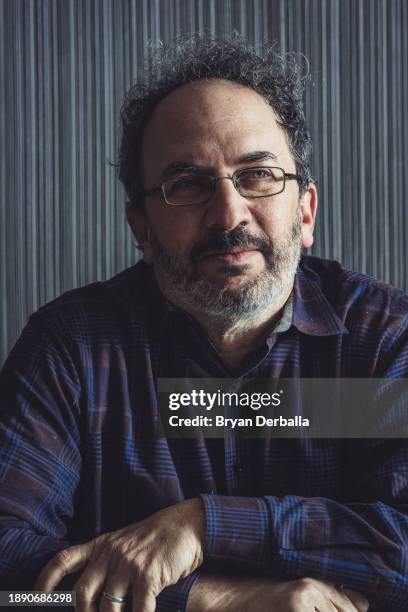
214 180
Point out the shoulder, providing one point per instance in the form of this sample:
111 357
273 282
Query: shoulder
98 308
93 328
358 299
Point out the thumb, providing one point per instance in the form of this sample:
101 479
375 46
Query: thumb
65 562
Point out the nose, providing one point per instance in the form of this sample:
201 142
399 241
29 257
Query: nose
227 208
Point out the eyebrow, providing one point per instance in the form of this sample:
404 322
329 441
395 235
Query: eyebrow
256 156
179 167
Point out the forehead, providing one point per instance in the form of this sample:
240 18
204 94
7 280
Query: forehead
211 123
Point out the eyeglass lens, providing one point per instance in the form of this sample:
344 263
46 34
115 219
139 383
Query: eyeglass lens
191 189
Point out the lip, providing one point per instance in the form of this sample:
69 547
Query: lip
234 255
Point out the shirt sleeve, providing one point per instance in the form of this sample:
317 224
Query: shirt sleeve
40 461
359 540
174 598
362 544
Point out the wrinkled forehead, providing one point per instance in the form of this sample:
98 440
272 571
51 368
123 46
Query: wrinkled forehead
204 121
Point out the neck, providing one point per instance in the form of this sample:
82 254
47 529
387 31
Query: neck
235 342
233 339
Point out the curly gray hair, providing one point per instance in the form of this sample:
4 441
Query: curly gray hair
277 77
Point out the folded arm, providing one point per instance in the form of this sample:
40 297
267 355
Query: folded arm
41 465
362 544
229 593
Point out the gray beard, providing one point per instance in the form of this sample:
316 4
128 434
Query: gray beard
230 307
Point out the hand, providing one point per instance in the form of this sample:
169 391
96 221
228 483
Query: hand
143 558
236 594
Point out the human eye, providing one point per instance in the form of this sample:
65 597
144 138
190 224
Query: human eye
259 181
258 173
184 182
255 177
264 173
187 189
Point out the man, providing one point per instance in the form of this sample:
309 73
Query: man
214 159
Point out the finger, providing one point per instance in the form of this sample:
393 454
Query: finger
322 604
65 562
326 605
143 601
116 585
337 596
305 594
88 588
359 601
96 579
107 605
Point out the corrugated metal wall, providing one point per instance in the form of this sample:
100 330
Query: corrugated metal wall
64 67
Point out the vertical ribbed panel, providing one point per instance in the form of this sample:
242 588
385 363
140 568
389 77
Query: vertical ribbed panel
64 67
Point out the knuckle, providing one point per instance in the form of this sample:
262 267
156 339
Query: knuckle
111 549
116 546
64 557
83 592
302 594
130 561
306 583
145 577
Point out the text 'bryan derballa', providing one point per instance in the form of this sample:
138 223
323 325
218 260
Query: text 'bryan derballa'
209 401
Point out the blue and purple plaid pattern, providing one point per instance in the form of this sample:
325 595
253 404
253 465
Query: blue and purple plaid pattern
79 455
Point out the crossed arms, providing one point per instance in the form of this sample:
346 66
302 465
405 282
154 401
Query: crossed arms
145 558
360 545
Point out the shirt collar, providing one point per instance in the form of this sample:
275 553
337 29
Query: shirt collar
286 319
313 314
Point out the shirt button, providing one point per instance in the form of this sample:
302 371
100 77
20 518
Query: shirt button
238 467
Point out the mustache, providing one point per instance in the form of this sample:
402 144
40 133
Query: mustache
224 240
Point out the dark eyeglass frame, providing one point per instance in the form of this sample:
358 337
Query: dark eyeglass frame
233 178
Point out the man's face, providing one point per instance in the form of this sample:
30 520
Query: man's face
231 256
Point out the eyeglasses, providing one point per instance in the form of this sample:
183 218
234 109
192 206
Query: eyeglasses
191 189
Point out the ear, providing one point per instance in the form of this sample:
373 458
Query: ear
140 227
308 208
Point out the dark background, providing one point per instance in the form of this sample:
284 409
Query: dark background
64 67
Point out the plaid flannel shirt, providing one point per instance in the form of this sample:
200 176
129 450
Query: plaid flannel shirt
79 456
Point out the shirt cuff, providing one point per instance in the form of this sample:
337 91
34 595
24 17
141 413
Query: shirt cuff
237 530
174 598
